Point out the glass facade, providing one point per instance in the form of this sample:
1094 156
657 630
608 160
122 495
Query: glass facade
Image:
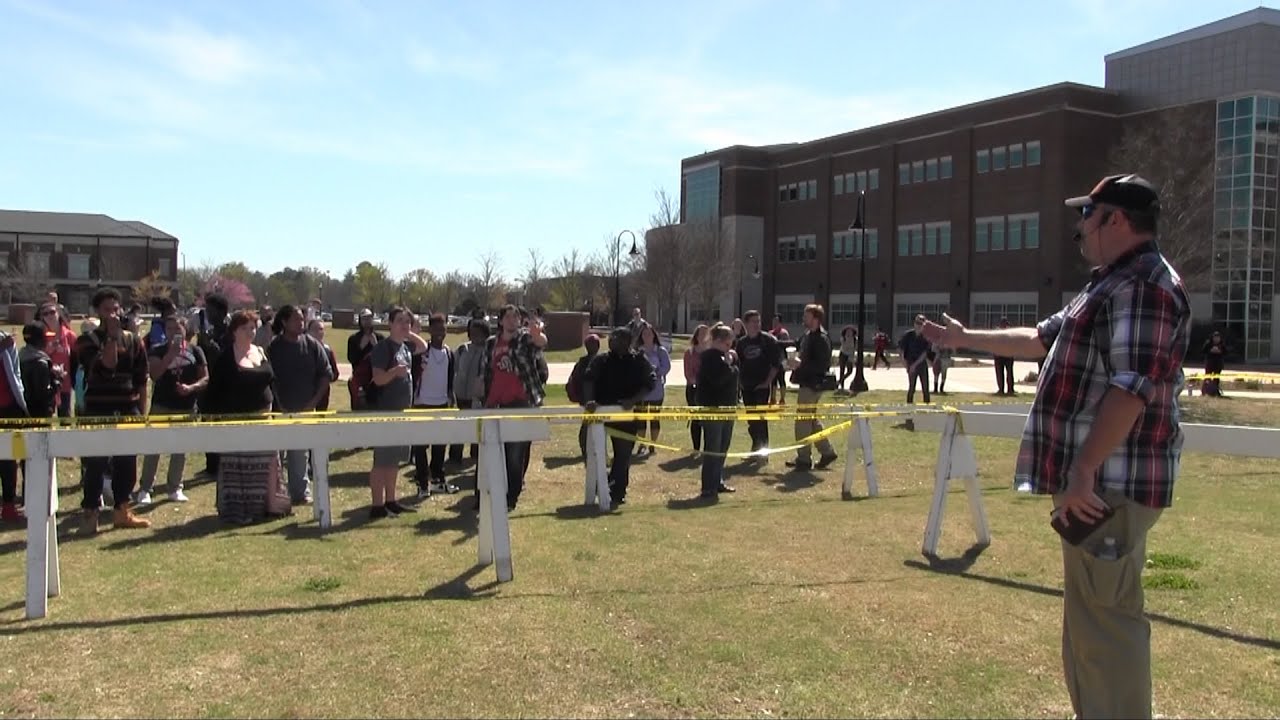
702 194
1246 178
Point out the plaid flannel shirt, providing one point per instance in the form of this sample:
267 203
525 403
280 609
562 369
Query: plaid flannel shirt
523 354
1127 329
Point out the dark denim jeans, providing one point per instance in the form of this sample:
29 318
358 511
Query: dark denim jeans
717 434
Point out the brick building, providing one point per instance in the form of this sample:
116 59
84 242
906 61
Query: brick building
76 253
965 208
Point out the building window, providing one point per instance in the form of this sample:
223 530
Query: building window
937 238
1015 155
917 171
782 193
837 185
862 180
37 264
904 314
1033 153
904 241
78 266
873 243
998 158
873 178
813 189
984 160
997 234
917 240
166 267
807 246
804 191
792 313
904 173
982 235
787 250
944 169
931 169
702 193
793 192
1031 232
989 315
847 314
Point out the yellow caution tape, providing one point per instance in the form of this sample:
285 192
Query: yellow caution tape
418 415
1262 377
765 452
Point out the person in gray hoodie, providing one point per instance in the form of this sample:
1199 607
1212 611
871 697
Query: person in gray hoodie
468 383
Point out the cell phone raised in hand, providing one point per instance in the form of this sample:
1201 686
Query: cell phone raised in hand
1079 528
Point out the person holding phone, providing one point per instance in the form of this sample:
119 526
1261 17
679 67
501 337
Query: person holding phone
1102 436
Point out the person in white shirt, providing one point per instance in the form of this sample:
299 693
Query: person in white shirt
433 388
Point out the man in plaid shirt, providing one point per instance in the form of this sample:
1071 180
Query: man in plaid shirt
1103 435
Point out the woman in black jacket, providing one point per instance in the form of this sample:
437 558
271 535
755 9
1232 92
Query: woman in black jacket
717 387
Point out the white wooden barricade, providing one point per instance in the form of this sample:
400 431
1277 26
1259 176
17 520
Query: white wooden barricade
1008 422
40 448
860 437
596 486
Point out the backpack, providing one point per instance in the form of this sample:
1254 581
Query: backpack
573 388
364 392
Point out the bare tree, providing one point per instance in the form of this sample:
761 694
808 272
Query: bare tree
668 272
534 288
488 282
25 281
569 284
1174 150
711 254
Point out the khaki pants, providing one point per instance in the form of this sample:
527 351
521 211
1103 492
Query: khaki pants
1106 638
805 428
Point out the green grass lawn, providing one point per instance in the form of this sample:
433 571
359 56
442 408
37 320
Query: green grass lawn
780 600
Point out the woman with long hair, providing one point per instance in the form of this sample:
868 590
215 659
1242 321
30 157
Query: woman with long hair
692 361
249 485
60 340
647 343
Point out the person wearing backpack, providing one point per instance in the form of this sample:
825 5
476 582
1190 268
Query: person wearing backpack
13 404
574 388
301 379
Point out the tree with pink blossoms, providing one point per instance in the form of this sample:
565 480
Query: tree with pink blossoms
238 294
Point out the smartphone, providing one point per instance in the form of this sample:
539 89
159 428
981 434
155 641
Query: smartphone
1079 529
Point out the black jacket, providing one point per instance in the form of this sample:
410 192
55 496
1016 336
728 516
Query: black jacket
815 360
717 380
610 379
354 352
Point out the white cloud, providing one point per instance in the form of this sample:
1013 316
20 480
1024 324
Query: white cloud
428 61
199 54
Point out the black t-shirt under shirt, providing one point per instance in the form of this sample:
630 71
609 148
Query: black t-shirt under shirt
756 356
184 369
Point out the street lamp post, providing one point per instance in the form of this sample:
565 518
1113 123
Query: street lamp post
755 273
859 223
617 273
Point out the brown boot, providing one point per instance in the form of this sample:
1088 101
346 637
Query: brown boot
89 523
124 518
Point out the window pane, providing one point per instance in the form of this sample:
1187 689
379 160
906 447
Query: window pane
1032 239
1033 153
803 191
984 161
1015 234
862 180
944 241
980 236
931 169
873 244
837 183
917 171
931 241
997 158
946 167
782 193
813 189
904 174
997 234
1015 155
874 179
917 241
904 242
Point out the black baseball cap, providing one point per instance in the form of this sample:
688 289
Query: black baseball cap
1127 192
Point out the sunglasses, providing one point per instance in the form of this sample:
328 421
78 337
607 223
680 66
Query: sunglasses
47 313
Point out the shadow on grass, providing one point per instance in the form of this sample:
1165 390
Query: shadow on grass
465 521
956 567
555 463
199 527
693 503
684 462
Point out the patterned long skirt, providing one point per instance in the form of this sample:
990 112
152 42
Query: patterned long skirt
250 488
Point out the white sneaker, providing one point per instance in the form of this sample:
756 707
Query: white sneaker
1024 487
443 487
142 497
178 496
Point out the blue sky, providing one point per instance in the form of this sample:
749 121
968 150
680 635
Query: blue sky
422 134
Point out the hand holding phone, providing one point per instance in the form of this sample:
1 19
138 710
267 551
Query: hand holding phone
1075 529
